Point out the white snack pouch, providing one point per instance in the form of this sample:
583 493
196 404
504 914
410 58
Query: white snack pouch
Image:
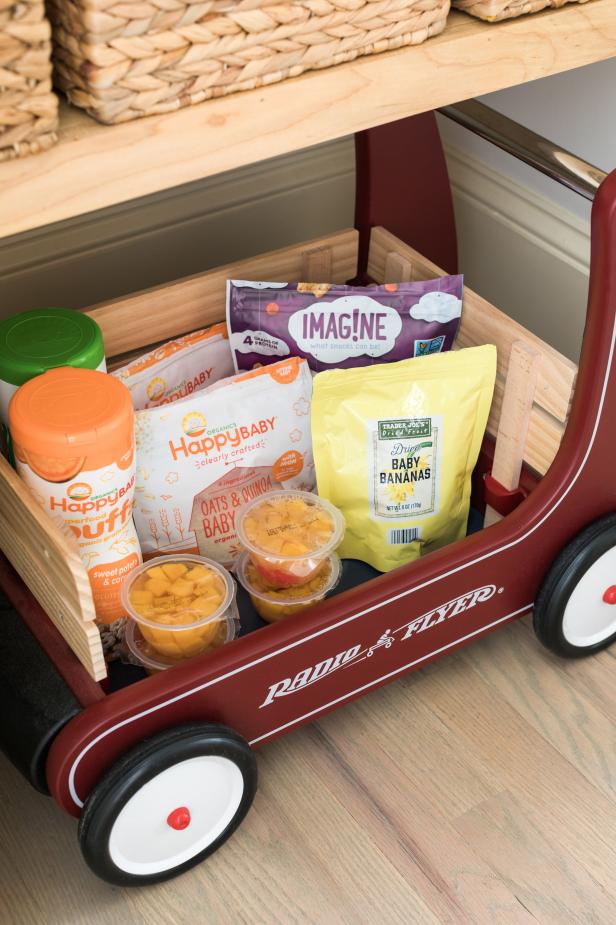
179 368
200 459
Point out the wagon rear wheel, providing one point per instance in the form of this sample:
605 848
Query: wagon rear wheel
167 804
575 610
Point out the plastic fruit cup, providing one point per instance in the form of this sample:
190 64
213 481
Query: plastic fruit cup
142 652
289 535
148 658
274 605
184 605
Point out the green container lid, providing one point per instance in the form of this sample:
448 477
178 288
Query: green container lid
42 339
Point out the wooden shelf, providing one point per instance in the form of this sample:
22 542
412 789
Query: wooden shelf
96 166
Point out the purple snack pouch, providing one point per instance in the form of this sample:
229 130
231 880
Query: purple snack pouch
341 326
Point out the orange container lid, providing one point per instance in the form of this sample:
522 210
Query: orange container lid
67 409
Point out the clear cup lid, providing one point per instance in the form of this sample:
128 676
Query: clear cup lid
143 653
290 525
221 612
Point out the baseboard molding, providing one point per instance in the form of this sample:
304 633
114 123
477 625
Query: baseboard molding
543 224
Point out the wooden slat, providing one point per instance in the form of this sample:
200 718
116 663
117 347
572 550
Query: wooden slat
482 323
397 269
512 434
94 166
167 311
518 398
50 568
317 263
544 433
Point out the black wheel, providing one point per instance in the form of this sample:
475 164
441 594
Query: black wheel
167 804
575 610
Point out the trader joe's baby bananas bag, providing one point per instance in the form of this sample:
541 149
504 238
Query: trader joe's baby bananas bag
395 446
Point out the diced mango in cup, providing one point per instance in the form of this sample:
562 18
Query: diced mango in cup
158 586
185 643
142 598
174 595
174 570
294 523
290 527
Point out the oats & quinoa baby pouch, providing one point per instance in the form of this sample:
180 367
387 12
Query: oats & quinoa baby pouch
199 460
341 326
395 446
178 368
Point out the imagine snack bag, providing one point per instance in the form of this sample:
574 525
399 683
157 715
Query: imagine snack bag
342 326
201 459
395 446
179 368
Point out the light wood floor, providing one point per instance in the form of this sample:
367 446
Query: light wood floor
481 789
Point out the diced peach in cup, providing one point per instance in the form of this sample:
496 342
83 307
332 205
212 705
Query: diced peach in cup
174 570
289 536
158 586
182 588
205 606
198 573
185 643
175 595
294 548
139 598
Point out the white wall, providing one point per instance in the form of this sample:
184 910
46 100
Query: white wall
575 109
523 239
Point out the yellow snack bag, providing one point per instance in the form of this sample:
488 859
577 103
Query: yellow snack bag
395 446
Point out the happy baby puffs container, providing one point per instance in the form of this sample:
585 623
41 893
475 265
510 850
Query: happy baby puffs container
289 535
273 605
73 438
184 605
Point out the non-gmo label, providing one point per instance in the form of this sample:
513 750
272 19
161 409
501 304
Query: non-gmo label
431 345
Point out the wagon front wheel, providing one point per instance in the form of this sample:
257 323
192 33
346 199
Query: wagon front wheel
167 804
575 610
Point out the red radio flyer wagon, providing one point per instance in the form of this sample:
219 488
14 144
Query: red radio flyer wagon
160 770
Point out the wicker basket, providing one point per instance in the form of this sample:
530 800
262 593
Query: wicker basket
495 10
121 60
28 108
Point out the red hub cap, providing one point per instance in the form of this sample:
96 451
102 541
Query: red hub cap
609 595
179 818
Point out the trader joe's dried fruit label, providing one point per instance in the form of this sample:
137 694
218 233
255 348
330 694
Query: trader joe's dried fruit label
404 466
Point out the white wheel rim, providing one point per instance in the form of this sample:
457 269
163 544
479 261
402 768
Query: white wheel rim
142 841
588 620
